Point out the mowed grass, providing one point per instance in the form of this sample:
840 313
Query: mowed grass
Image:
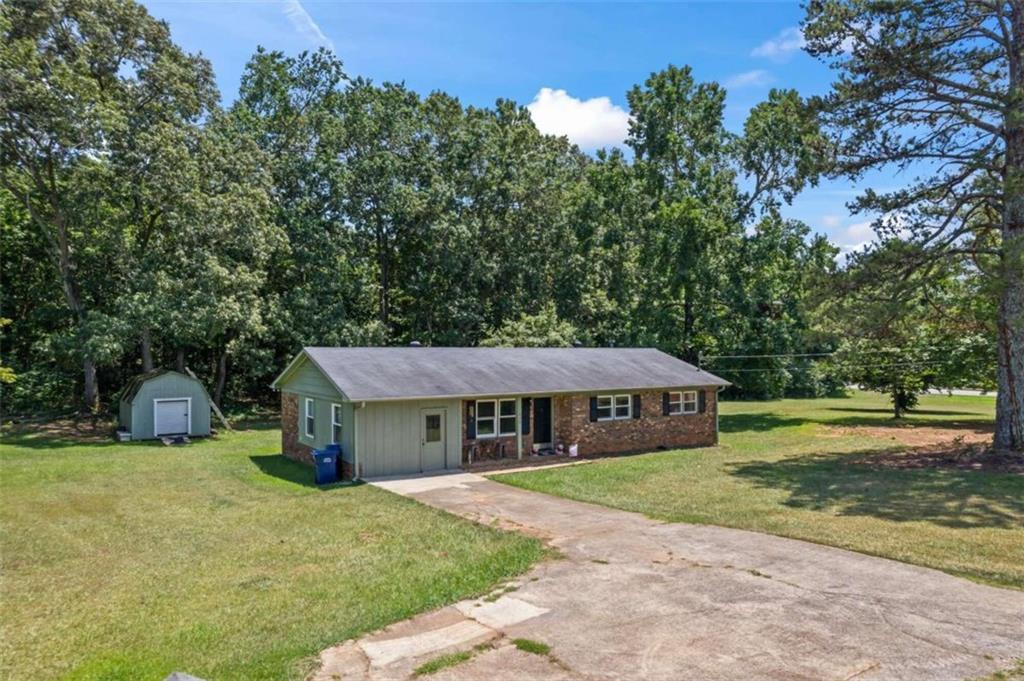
803 469
129 561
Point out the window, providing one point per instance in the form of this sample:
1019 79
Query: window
690 402
675 403
613 407
335 423
622 403
485 417
310 418
507 422
495 417
432 428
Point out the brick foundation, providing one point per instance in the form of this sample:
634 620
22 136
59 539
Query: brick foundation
290 445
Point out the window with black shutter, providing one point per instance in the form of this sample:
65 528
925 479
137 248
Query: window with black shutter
636 406
701 401
593 408
526 415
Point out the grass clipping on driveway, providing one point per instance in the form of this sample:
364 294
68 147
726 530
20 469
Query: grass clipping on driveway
220 559
805 469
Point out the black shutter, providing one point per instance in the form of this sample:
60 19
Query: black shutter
701 401
593 409
470 420
636 406
526 415
664 404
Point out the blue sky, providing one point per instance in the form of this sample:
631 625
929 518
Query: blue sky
571 63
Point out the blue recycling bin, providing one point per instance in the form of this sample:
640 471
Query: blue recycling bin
325 463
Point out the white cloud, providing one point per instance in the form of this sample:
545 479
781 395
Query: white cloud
782 46
590 123
753 78
303 23
831 221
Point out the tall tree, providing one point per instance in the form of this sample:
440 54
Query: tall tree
80 82
937 88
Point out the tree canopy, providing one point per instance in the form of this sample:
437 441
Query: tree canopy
145 225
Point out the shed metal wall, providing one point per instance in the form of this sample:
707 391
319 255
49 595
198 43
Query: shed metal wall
389 436
168 386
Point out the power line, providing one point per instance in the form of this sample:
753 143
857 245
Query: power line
804 354
845 366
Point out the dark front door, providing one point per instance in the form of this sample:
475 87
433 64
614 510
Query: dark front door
542 421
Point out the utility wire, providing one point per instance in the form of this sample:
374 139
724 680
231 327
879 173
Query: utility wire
805 354
845 366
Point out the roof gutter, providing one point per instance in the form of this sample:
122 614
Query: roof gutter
542 393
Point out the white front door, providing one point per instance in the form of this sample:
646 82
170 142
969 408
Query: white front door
432 439
171 417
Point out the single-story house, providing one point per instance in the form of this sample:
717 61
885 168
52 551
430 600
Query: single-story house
403 410
164 402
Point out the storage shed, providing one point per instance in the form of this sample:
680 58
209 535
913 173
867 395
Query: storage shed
164 402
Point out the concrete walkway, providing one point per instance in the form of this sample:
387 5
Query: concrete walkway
638 599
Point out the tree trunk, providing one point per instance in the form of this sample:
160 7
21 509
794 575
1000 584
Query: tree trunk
896 409
222 377
146 350
1010 373
91 392
179 360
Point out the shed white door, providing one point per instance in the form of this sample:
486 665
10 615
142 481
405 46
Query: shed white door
432 439
171 417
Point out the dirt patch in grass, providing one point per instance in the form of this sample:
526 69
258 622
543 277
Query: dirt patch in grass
949 455
915 435
83 430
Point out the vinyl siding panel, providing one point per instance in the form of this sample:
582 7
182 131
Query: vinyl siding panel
308 380
389 436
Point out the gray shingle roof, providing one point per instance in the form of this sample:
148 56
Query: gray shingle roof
408 372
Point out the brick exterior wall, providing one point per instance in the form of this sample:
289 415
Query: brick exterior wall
572 424
491 448
651 431
290 445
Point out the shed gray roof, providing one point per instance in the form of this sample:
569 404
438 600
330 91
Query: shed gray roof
410 372
131 388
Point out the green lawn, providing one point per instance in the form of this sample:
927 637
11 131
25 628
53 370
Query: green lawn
220 559
801 468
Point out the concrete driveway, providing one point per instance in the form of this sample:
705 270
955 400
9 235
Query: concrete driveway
635 598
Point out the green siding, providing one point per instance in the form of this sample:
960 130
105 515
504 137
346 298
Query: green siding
139 414
307 379
389 435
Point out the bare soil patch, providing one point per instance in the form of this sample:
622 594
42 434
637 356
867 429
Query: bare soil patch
85 430
979 457
912 435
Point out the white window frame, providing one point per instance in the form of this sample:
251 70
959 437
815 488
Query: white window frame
675 403
613 405
496 419
492 419
502 417
309 412
336 416
689 405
